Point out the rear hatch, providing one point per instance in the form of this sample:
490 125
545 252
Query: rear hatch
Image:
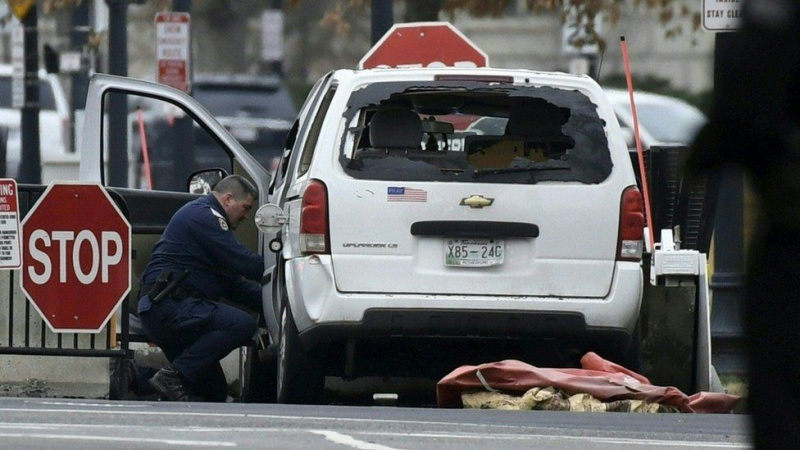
476 189
409 246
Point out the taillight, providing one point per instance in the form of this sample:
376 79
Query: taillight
631 226
314 219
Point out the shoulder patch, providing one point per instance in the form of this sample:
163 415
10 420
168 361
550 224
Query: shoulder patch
222 223
220 218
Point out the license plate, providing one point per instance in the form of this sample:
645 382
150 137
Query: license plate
473 252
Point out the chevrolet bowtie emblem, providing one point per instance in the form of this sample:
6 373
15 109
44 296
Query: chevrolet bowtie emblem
476 201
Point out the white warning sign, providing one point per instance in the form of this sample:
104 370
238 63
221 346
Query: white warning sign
10 256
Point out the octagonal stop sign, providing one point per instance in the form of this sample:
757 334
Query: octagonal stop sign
424 44
76 257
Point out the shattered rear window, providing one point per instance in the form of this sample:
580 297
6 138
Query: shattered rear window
471 131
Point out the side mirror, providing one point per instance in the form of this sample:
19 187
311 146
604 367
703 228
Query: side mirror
202 181
270 218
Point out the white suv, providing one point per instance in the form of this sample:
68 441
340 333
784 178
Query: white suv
54 129
415 242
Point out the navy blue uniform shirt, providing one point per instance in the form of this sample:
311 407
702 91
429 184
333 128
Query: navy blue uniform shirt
198 238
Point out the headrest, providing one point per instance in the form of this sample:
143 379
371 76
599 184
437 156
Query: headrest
535 117
395 128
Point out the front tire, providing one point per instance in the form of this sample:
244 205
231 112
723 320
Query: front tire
258 372
299 378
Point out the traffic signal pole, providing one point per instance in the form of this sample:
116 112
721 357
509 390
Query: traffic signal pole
184 126
79 38
30 168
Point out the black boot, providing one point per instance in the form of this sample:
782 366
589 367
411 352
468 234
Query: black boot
170 385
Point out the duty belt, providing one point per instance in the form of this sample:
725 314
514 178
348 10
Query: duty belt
178 292
168 285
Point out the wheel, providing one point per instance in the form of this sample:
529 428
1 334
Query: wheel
259 385
299 379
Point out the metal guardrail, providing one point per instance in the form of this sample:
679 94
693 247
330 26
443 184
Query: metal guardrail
693 207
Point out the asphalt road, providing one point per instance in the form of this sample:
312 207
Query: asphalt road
82 424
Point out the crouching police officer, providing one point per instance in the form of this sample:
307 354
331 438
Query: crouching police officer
197 262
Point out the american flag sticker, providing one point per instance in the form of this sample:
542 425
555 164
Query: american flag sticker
404 194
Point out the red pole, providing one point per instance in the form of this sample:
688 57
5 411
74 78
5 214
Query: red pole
639 151
145 154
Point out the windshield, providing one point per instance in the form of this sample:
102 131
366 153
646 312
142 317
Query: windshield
671 122
245 100
473 131
46 99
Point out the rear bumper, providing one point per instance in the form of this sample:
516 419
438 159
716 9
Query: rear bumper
322 313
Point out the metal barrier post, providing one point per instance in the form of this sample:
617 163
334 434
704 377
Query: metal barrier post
3 150
727 282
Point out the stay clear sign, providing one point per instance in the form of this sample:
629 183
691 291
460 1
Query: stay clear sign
173 49
722 15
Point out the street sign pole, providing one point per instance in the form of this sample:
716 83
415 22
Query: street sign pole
30 170
117 103
382 18
727 282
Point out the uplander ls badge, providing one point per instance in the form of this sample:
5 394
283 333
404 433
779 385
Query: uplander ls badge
476 201
369 244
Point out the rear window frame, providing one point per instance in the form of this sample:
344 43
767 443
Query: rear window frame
583 114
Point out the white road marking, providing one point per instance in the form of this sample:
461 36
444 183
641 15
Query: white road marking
119 439
593 439
98 405
349 441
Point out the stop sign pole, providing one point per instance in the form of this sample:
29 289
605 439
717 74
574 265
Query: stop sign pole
424 44
76 257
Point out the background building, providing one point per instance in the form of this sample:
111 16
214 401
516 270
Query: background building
322 36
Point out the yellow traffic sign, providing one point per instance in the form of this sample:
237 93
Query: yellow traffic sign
21 8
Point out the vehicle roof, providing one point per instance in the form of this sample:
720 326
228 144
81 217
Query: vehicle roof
208 79
622 96
519 75
8 70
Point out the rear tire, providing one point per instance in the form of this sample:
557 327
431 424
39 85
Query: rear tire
299 378
633 358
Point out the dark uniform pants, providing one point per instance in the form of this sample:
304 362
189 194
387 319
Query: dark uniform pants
195 334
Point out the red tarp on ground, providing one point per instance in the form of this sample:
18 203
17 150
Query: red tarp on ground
599 378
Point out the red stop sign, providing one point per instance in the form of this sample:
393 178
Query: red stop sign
424 44
76 257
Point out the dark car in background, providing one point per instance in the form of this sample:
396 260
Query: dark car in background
256 109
